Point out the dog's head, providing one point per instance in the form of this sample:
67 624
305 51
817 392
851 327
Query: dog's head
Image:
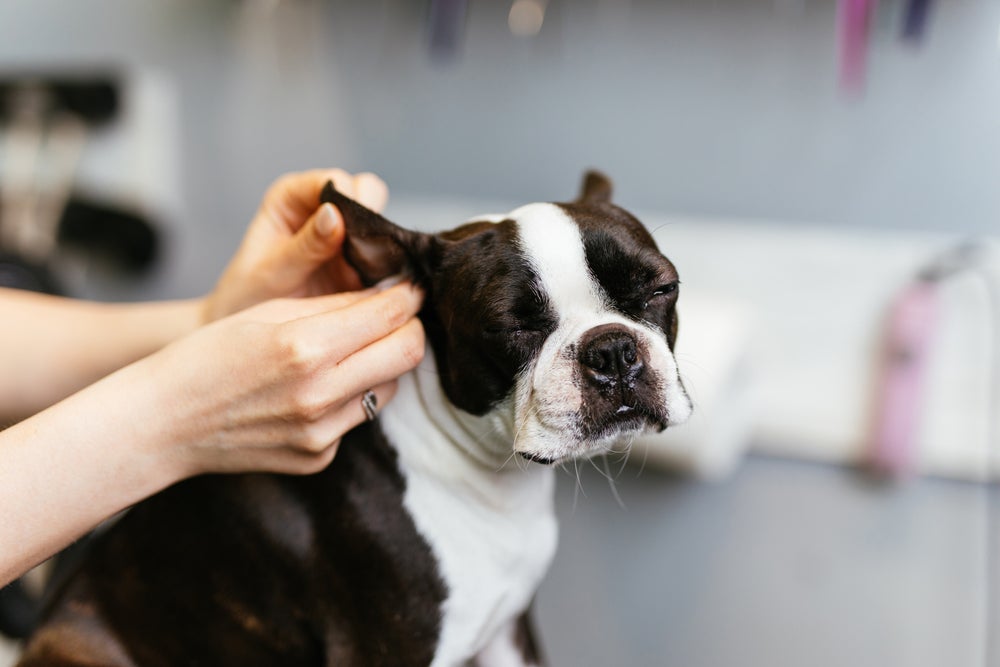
560 316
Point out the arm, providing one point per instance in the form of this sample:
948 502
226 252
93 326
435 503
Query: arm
51 347
267 389
272 387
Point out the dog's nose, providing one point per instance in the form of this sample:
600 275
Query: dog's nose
609 354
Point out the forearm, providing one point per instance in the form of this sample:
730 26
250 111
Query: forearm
51 347
272 388
79 462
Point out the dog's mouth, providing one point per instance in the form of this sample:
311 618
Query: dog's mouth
537 458
626 420
597 436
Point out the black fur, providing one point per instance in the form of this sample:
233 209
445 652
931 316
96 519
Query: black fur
260 570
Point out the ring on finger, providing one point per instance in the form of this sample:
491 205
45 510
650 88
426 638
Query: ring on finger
369 402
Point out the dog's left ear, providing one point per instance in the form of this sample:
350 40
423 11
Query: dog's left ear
377 248
596 188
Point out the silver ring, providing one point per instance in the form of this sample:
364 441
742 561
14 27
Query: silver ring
369 402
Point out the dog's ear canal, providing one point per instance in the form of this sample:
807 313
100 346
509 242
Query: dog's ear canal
596 188
376 248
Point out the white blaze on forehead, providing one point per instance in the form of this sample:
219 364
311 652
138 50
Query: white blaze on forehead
551 241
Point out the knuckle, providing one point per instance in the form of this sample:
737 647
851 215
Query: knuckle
313 439
308 403
307 407
294 354
392 314
321 460
283 182
413 348
342 181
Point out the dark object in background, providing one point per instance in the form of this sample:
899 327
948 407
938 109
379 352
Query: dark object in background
51 115
915 20
94 98
18 273
123 238
445 28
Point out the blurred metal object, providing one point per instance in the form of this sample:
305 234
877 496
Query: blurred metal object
44 145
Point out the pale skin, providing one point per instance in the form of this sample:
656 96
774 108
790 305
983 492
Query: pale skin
265 373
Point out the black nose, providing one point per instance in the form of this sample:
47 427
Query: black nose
609 356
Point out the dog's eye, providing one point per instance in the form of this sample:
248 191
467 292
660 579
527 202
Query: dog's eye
661 291
512 332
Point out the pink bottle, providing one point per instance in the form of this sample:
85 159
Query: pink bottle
912 322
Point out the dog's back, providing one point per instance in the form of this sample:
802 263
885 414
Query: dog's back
251 570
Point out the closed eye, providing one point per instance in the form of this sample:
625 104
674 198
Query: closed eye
662 291
512 331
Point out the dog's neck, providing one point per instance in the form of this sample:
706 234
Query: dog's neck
436 440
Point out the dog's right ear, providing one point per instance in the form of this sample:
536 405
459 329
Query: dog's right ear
596 188
377 248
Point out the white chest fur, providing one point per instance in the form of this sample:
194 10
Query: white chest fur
492 529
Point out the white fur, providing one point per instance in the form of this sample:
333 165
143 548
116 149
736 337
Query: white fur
492 528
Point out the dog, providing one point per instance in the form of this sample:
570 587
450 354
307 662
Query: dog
550 337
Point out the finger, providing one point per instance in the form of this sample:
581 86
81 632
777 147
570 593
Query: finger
384 360
342 417
319 239
287 310
370 191
286 461
317 242
293 197
339 333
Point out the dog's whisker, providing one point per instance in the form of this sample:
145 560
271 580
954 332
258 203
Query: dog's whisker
625 455
506 461
578 488
606 474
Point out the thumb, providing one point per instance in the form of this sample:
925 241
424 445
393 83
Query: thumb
315 242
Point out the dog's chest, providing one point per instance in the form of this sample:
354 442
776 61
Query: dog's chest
491 566
492 534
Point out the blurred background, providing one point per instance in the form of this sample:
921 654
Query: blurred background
824 174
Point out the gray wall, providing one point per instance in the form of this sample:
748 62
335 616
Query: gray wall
727 108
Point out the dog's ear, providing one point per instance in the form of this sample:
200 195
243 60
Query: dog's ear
377 248
596 188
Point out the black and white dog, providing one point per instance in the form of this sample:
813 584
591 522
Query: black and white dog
551 332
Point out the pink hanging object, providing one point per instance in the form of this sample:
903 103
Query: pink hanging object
855 21
912 322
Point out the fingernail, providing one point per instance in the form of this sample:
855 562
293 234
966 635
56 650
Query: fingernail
327 220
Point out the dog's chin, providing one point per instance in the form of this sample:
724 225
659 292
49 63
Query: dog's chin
602 438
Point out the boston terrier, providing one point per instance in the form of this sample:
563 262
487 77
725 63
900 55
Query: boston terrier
550 331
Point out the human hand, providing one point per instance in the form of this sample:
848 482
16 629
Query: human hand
275 386
292 247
